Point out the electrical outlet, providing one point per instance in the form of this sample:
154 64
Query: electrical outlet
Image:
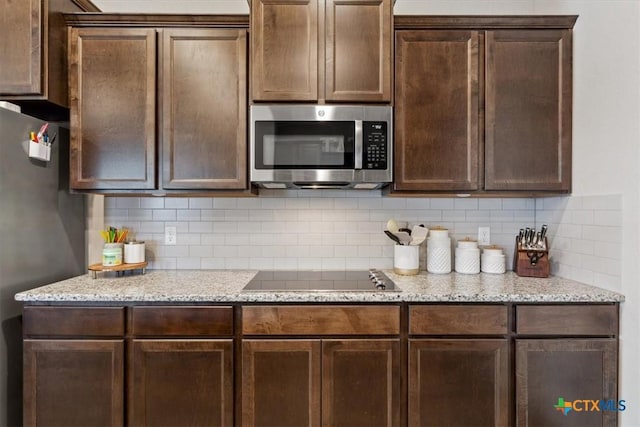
484 236
170 235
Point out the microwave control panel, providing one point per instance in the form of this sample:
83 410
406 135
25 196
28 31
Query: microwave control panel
375 145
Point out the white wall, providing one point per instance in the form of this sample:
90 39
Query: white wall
606 127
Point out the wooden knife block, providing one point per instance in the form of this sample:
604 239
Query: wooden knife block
523 262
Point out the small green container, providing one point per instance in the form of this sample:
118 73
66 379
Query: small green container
112 254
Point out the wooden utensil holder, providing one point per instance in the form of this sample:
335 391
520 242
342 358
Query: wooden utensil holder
532 262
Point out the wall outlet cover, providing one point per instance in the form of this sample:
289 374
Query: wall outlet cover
170 235
484 236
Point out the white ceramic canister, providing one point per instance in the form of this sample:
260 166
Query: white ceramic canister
493 260
406 260
112 254
439 251
133 252
467 259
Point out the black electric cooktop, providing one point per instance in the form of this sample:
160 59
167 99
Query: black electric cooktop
315 280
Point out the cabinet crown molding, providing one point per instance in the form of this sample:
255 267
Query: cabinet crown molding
160 20
407 22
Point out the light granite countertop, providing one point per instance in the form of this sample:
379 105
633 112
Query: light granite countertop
225 286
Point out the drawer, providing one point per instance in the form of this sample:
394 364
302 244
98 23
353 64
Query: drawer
585 319
458 320
182 321
73 321
321 320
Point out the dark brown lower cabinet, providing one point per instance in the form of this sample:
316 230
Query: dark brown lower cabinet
361 382
73 382
553 373
181 383
454 365
350 382
281 383
458 382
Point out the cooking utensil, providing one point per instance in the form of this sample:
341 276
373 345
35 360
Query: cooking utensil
392 226
418 235
393 237
404 237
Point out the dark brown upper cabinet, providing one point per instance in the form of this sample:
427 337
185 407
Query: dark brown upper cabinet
157 105
528 110
483 105
321 50
113 94
33 55
204 108
437 110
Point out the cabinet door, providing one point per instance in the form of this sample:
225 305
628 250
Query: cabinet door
21 22
361 383
284 50
437 110
553 373
73 382
528 110
281 383
459 382
181 383
204 108
358 37
112 100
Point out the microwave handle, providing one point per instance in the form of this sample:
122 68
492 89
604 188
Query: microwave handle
359 145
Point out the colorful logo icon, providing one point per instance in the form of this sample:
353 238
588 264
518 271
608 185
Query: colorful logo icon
563 406
589 405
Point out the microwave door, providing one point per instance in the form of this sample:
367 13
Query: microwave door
305 145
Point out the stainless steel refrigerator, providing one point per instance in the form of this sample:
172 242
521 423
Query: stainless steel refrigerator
42 238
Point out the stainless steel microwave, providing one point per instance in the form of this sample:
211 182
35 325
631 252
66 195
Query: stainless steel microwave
321 146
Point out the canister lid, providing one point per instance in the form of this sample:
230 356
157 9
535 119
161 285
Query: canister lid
467 243
492 250
438 233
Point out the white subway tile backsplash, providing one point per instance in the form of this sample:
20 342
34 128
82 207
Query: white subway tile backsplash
152 202
200 203
249 203
490 204
225 203
189 263
610 217
164 215
201 227
140 214
147 226
518 204
585 236
176 203
212 263
188 215
582 217
211 215
333 229
465 204
417 203
126 203
442 203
